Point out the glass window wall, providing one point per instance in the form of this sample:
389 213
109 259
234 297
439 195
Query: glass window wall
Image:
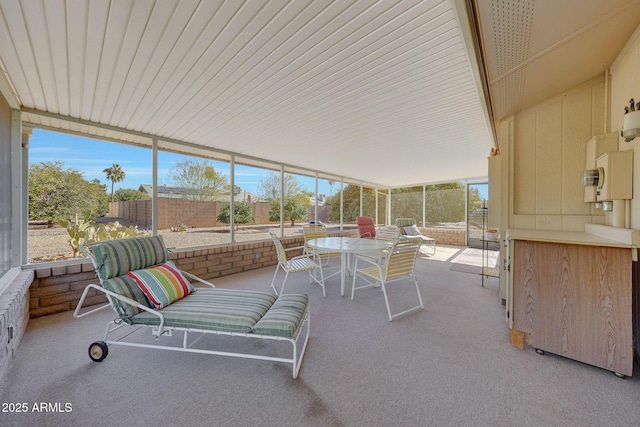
194 196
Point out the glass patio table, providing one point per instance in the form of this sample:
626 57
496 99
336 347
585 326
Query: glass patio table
346 246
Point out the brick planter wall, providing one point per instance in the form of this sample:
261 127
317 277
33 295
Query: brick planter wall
58 288
446 236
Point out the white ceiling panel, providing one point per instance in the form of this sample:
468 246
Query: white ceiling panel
384 92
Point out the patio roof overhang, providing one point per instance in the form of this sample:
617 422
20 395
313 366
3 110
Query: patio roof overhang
389 93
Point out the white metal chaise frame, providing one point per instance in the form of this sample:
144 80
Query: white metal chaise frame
427 241
98 350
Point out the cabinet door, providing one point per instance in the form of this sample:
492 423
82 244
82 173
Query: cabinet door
575 301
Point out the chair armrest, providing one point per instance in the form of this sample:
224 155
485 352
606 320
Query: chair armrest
366 258
366 235
416 237
191 276
307 256
127 300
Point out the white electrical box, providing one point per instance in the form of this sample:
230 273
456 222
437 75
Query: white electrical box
616 176
596 147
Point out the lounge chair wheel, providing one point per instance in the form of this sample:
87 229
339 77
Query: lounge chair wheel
541 352
98 351
619 375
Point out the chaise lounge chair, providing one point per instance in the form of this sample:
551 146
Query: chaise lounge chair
409 230
146 290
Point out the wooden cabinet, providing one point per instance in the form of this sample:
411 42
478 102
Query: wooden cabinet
574 300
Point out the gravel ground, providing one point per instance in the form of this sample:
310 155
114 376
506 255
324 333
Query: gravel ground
52 244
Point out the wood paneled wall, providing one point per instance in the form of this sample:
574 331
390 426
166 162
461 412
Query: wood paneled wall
548 156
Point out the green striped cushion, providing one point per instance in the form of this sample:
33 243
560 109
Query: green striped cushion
116 257
284 317
162 284
225 310
404 222
126 286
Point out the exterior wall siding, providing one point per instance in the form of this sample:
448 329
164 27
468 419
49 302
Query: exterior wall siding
546 155
14 317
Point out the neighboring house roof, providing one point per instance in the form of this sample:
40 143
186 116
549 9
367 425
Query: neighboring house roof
321 199
167 192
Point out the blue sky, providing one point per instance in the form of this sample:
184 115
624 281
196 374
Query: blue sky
92 156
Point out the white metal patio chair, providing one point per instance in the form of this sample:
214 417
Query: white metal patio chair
398 265
296 264
386 233
319 231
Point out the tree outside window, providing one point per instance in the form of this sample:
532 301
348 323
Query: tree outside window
57 193
296 199
199 180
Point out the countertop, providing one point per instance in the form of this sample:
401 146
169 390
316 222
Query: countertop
594 235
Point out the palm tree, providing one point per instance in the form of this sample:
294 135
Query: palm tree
114 174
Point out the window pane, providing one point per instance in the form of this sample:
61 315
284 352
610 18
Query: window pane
445 205
78 186
330 190
264 188
369 203
351 207
383 196
193 200
300 199
406 203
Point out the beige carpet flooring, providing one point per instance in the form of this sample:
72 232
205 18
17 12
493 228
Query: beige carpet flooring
448 365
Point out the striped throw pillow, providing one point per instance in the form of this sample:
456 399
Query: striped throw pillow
114 258
162 284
